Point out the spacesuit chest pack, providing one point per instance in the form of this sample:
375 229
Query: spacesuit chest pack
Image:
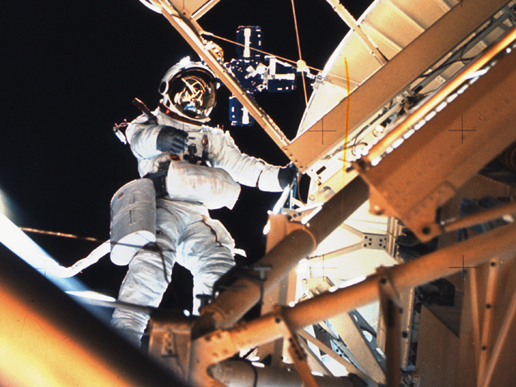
192 178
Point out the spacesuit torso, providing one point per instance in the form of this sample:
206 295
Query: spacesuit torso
209 169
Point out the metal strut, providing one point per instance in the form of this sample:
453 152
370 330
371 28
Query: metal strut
390 306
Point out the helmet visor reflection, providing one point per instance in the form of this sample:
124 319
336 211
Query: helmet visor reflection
193 94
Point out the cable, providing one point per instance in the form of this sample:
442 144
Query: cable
297 30
460 52
255 372
157 249
348 106
90 239
60 234
299 48
444 65
251 48
270 54
76 268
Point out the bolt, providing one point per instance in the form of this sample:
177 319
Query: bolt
378 210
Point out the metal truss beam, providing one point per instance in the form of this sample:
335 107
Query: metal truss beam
391 79
470 127
222 344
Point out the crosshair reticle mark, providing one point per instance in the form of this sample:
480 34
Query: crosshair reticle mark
462 130
463 268
322 131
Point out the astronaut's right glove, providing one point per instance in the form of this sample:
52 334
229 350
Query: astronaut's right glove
286 175
172 140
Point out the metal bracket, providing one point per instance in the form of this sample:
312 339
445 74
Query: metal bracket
262 272
374 241
369 241
261 278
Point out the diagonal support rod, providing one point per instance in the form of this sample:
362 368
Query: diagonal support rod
191 32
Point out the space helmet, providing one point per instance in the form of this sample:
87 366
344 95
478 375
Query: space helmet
189 90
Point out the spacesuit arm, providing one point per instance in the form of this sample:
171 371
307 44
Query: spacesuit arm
143 137
148 140
245 169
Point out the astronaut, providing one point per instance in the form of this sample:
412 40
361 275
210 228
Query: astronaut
194 168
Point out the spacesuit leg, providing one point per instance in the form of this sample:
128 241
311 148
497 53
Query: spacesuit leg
208 254
144 284
148 275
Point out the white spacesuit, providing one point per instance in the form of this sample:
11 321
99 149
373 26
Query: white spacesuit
194 168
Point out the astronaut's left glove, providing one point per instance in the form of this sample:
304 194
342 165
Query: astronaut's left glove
172 140
286 175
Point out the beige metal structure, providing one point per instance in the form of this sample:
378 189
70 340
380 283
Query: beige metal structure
454 161
372 84
405 125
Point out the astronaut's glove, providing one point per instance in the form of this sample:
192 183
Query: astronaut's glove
172 140
159 179
286 175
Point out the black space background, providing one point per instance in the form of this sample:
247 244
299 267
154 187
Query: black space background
70 70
